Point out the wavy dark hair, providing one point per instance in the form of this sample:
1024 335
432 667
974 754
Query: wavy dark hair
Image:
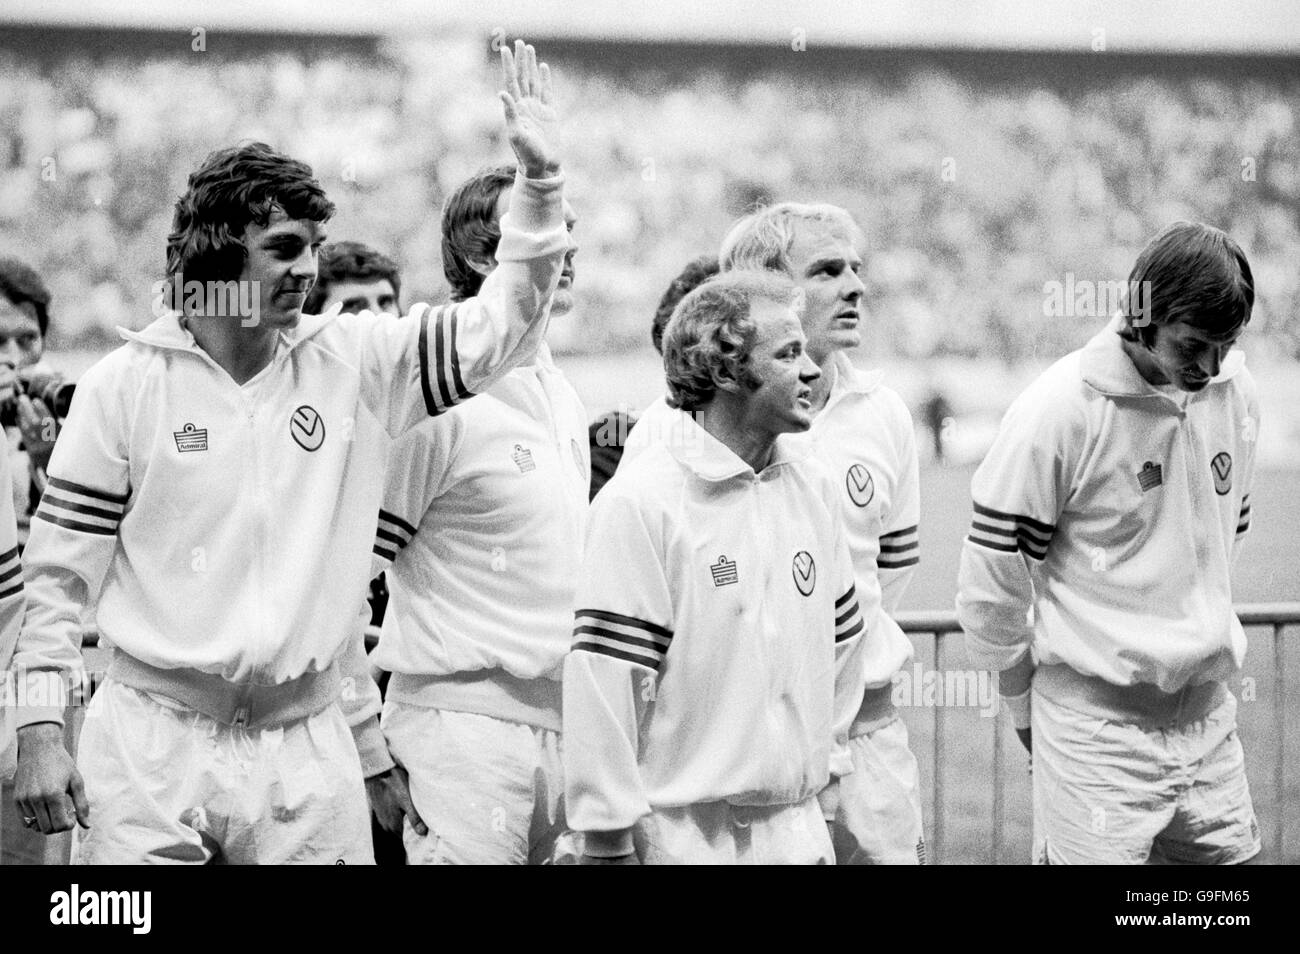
470 231
696 273
1192 273
349 262
234 188
20 284
712 332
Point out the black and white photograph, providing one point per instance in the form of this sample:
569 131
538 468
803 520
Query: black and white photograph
574 433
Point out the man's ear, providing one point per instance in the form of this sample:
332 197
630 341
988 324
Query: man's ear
482 266
724 380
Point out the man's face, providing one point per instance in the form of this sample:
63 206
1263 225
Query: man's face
377 296
282 261
780 390
824 263
21 344
562 302
1184 356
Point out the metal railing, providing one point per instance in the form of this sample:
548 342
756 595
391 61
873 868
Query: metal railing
1277 616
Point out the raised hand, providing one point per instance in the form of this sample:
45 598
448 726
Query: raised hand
531 121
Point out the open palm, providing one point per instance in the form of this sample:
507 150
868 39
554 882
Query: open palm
531 120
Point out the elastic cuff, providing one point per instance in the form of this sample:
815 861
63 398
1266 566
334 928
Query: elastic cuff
535 209
1018 707
371 746
608 844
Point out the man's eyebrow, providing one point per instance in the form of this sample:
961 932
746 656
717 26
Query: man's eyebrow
821 261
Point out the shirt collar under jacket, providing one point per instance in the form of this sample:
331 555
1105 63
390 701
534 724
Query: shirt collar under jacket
1108 369
849 377
709 459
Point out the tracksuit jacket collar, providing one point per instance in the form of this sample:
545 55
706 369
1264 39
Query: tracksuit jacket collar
709 459
848 377
1107 369
167 332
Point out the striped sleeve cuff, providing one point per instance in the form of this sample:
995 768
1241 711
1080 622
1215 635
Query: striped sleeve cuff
391 536
440 377
899 549
11 574
848 617
621 637
84 509
1009 532
1243 519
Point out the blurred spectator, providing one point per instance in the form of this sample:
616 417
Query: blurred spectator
358 278
936 410
31 393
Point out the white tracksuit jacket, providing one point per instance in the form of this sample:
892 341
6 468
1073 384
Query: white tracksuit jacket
481 534
1114 515
229 529
715 634
864 436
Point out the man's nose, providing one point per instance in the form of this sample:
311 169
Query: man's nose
809 372
304 266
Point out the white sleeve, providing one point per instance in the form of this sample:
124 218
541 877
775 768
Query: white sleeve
900 548
360 701
1019 492
434 358
74 534
851 637
622 633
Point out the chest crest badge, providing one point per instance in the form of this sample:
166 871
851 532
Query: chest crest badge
1221 470
860 486
307 428
804 571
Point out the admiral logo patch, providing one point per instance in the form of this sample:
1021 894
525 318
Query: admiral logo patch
805 572
190 439
1221 469
724 572
860 485
307 428
523 459
1151 475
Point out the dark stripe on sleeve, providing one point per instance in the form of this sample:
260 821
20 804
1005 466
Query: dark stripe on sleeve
615 654
54 500
384 534
989 544
379 551
1038 525
850 632
620 638
88 491
897 564
429 404
396 521
75 524
625 620
848 595
12 591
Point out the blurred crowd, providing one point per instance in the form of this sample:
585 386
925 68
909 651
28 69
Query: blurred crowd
973 196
